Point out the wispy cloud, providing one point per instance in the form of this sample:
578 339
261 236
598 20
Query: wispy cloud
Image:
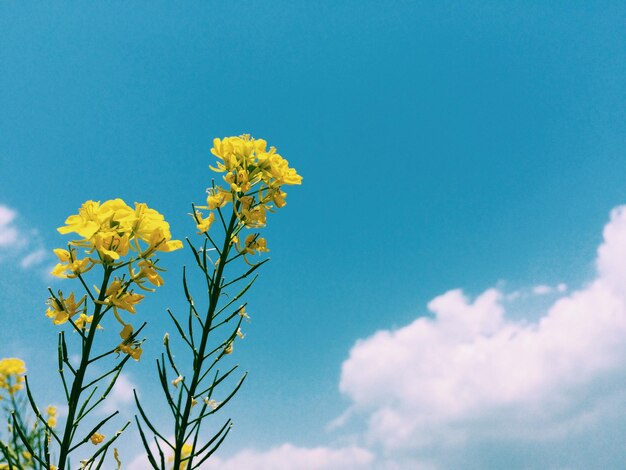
19 243
9 235
290 457
121 395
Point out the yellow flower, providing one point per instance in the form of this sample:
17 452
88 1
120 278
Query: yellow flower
52 416
212 403
217 197
113 228
242 313
83 320
96 438
68 262
278 197
185 452
255 217
111 245
254 243
129 346
86 223
204 223
12 372
61 309
148 271
177 380
160 241
133 350
118 297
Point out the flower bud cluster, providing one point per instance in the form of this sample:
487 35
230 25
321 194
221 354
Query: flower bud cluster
254 177
12 372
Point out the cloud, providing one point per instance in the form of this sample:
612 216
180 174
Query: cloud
121 395
9 235
469 373
469 387
18 242
289 457
34 258
542 289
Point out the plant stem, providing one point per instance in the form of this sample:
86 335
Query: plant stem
77 385
195 380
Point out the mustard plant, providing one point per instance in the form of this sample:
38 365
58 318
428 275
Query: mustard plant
254 176
13 453
117 248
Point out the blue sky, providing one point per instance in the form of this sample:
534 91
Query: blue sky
465 145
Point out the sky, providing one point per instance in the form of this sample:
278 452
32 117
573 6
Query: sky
447 288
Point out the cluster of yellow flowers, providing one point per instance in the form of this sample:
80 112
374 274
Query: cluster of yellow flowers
12 372
254 176
109 232
111 229
52 416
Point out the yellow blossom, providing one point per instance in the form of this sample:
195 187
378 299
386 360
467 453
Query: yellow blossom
118 297
129 345
68 262
112 228
112 245
60 309
52 416
148 271
204 223
96 438
242 312
12 372
133 350
185 452
254 244
217 197
83 320
212 403
177 380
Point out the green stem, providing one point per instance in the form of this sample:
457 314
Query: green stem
77 385
195 380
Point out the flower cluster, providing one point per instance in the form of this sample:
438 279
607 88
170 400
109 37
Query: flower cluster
110 230
113 235
12 372
52 416
254 177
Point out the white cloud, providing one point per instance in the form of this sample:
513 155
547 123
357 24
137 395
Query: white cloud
18 242
469 375
8 232
543 289
290 457
121 395
33 258
469 372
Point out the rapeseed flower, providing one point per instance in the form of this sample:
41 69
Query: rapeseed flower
52 416
12 372
113 228
61 309
96 438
